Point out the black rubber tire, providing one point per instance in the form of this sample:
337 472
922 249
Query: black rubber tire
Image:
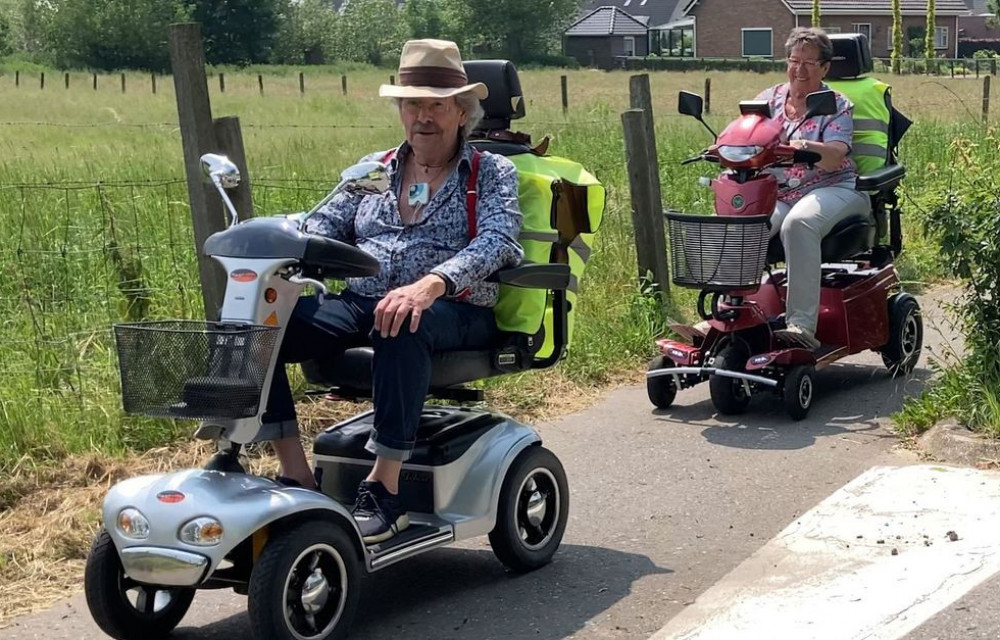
106 588
275 574
906 335
799 390
662 389
519 548
728 394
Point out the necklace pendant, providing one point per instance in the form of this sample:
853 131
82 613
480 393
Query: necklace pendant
419 194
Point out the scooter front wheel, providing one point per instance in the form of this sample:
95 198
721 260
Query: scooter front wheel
532 511
729 395
123 608
306 584
798 390
662 389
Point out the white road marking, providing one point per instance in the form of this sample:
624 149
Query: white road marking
832 573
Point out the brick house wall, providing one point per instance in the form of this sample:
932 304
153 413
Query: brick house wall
881 30
718 32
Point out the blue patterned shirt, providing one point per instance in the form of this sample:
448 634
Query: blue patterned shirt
438 242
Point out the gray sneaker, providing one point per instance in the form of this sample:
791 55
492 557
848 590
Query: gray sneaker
378 513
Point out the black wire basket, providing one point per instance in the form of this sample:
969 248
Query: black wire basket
193 370
717 253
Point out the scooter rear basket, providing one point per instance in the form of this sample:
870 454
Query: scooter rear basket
717 253
192 369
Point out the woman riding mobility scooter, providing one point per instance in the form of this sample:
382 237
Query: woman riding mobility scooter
726 256
298 553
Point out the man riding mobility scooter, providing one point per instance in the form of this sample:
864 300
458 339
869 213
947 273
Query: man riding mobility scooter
298 553
725 256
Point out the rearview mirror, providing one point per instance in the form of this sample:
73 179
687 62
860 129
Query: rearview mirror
690 104
220 168
821 103
366 178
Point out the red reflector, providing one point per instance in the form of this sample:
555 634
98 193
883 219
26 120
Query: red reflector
270 295
170 497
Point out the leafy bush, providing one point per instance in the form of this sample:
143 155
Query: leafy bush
964 218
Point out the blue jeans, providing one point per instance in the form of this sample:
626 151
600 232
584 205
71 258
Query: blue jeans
401 368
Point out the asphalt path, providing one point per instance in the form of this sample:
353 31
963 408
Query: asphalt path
663 505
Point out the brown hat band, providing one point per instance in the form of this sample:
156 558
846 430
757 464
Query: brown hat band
438 77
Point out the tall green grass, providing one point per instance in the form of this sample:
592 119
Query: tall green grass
96 227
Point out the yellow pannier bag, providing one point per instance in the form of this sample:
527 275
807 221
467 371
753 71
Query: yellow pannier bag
563 206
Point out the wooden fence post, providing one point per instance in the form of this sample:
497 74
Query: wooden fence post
343 84
123 83
647 216
222 83
260 83
708 96
564 87
152 82
229 138
302 82
392 79
986 99
194 114
41 84
66 79
95 82
17 78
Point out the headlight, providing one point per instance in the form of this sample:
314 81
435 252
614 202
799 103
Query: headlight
132 524
203 532
739 153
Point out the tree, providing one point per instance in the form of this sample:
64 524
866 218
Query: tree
306 33
237 31
815 14
424 19
6 38
993 6
897 37
929 53
369 31
516 29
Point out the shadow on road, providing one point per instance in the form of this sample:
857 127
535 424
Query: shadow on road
466 594
849 399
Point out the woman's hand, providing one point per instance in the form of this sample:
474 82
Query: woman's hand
411 300
831 153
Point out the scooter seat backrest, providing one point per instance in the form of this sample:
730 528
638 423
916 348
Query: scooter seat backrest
505 101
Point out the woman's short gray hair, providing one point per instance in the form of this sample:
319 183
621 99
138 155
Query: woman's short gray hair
810 35
467 102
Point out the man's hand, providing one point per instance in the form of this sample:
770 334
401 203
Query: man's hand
412 300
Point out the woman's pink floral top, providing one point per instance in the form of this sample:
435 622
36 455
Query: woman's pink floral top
799 180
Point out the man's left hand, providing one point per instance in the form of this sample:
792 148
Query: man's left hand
411 300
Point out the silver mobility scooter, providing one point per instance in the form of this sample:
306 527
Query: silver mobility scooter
297 553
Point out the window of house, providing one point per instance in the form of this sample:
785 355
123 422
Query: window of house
629 42
757 43
940 37
863 27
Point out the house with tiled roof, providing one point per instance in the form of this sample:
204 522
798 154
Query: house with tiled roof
979 23
758 28
605 34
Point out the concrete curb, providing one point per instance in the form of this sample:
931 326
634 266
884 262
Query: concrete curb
952 443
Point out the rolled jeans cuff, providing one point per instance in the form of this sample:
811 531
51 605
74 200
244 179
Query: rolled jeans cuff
278 430
399 453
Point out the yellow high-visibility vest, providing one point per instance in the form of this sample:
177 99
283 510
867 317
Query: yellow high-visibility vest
546 184
871 120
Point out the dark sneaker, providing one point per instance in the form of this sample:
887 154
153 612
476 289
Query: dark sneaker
378 513
227 461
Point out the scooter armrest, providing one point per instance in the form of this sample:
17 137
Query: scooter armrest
531 275
881 179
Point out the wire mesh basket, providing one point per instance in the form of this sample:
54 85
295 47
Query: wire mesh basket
717 253
192 369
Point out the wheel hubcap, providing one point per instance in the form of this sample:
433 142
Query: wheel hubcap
537 508
146 599
315 592
805 391
908 341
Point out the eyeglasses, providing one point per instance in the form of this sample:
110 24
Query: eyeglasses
808 64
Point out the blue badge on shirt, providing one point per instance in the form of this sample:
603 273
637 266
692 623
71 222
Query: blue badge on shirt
420 194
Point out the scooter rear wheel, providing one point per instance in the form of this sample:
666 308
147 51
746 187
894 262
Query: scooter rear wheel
662 389
906 335
532 511
729 395
306 584
123 608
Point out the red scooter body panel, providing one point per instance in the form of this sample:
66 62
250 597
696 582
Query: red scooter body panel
754 197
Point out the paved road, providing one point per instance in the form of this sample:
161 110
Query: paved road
664 505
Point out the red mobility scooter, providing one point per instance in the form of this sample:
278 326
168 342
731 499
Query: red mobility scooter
729 258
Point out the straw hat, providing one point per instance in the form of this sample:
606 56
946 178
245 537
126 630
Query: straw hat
431 69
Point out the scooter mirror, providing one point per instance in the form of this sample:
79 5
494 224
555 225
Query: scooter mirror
366 177
821 103
216 166
690 104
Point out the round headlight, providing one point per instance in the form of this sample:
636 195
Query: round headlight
734 153
203 532
132 524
